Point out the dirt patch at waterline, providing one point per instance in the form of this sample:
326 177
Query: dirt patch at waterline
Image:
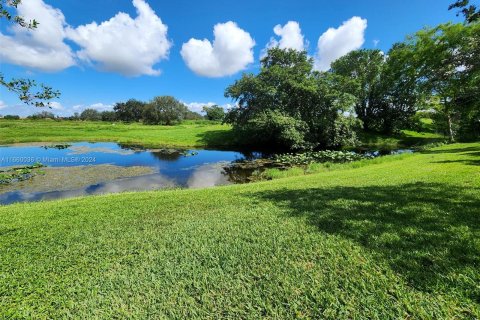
69 178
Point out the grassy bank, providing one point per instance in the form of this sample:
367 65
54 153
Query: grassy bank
187 134
388 240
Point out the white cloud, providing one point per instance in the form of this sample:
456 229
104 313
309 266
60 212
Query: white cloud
56 106
124 45
96 106
291 37
230 52
376 42
2 105
335 43
41 48
197 106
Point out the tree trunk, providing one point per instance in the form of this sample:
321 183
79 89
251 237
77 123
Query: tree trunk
450 130
449 119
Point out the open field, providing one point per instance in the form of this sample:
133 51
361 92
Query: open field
393 239
187 134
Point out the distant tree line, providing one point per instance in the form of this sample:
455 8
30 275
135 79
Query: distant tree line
289 105
162 110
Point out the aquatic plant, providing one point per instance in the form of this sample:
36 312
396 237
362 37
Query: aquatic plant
20 173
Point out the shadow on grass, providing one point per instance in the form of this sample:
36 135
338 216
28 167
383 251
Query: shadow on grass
427 232
217 138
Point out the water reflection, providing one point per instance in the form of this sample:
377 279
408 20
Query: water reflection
174 168
208 175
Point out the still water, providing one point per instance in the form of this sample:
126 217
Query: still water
167 168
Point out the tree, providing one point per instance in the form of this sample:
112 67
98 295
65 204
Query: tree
383 87
214 113
130 111
42 115
192 115
164 110
365 68
25 89
469 11
109 116
448 73
90 115
288 89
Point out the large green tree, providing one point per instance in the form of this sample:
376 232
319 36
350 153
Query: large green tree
288 97
27 90
164 110
215 112
130 111
383 85
448 72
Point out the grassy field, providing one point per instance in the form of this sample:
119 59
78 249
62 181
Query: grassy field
188 134
398 238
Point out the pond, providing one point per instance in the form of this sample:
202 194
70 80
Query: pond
85 168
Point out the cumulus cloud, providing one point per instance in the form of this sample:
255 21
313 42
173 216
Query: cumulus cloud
197 106
96 106
56 106
335 43
124 45
291 37
230 52
42 48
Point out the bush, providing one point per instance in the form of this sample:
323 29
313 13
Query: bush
273 130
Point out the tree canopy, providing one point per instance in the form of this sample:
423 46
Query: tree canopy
295 106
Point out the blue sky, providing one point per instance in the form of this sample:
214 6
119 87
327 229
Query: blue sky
98 65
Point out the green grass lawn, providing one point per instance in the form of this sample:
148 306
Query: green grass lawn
187 134
393 239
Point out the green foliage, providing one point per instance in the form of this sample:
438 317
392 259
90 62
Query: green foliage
448 73
164 110
215 113
273 130
288 87
192 115
109 116
469 11
319 157
383 86
11 117
24 87
90 115
130 111
42 115
6 7
12 175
